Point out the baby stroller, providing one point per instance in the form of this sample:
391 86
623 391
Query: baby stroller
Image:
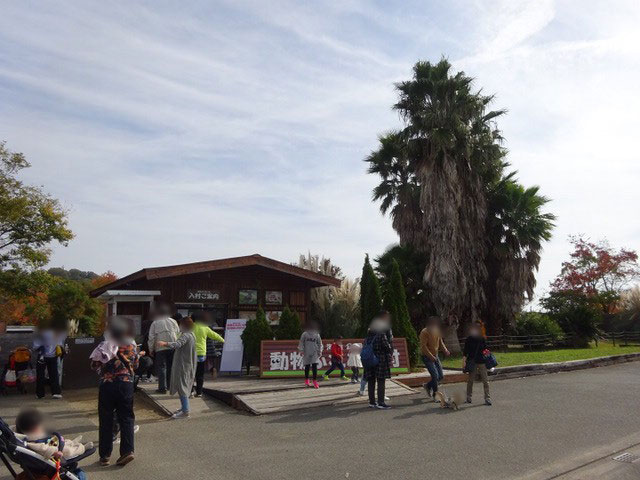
18 370
34 465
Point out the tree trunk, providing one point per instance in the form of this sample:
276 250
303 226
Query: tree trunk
450 336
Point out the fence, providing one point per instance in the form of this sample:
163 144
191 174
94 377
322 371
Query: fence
530 342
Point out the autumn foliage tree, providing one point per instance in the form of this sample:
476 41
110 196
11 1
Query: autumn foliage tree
597 271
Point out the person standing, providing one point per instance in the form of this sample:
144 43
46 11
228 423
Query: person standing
337 353
116 359
201 332
473 361
311 347
163 329
376 375
184 365
355 362
49 347
430 343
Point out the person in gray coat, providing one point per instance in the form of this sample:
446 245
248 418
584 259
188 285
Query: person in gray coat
311 347
184 365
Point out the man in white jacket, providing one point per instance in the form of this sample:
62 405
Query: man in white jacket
164 329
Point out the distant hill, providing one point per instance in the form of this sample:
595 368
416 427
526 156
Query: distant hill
73 274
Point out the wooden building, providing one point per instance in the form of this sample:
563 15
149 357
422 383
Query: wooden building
227 288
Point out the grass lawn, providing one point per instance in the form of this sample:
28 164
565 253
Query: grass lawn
523 357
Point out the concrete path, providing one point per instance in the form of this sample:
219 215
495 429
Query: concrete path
538 428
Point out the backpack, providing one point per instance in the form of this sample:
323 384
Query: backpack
20 355
368 356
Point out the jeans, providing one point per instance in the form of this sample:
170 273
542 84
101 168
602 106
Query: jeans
435 370
80 474
164 359
363 381
335 364
372 390
200 374
51 366
118 396
184 404
481 370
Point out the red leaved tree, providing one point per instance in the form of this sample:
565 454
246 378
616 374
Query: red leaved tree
597 271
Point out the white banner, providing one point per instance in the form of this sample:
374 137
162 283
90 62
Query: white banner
232 348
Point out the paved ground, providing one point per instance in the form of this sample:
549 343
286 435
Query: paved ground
538 427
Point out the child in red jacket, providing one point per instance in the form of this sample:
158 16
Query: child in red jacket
336 359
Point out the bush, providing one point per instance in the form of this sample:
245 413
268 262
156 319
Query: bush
537 323
256 330
576 314
289 328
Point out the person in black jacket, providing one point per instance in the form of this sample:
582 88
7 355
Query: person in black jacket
378 338
473 361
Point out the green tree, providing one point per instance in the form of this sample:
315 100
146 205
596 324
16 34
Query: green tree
412 264
576 314
70 302
399 191
29 218
516 229
449 157
395 301
289 327
370 296
256 330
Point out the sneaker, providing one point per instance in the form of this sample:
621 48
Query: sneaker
373 405
386 399
104 461
307 382
315 384
344 378
124 459
198 395
468 400
488 402
57 396
361 393
325 377
179 415
383 406
161 391
353 380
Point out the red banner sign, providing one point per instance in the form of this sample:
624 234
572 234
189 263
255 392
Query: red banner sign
281 358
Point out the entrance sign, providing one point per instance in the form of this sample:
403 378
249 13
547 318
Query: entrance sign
209 295
232 348
281 358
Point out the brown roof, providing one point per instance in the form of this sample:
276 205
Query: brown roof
210 265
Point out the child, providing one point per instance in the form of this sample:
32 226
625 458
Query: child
336 360
311 347
30 428
354 361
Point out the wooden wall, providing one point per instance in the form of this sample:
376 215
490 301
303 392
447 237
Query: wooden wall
295 290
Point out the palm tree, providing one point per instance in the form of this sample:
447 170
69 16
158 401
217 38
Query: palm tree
453 145
399 190
516 228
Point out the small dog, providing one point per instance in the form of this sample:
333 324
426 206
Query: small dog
446 401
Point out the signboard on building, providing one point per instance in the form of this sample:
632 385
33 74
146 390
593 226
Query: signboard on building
203 295
281 358
232 348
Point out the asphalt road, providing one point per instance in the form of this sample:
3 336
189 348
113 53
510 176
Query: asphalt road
545 422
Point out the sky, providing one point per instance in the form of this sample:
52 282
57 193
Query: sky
184 131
